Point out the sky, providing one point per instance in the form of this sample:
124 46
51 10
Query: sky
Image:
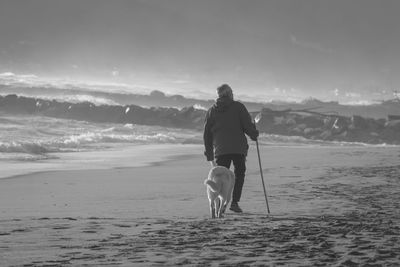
333 50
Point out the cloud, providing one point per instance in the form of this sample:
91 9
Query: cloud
358 103
26 43
309 45
7 74
115 73
336 92
14 76
10 78
286 92
274 94
180 81
352 95
278 90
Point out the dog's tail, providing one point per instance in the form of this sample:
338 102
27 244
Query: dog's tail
211 184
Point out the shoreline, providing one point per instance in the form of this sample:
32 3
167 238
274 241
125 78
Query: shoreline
150 164
114 157
68 161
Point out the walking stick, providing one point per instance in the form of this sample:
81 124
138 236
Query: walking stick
261 172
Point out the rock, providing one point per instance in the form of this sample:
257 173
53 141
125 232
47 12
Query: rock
393 125
326 135
157 94
309 131
290 121
328 122
265 120
358 122
339 125
177 98
313 121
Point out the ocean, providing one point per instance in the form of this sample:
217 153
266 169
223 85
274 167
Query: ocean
38 137
30 138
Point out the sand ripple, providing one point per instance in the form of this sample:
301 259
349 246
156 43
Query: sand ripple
364 230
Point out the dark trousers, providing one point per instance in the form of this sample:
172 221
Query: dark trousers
239 164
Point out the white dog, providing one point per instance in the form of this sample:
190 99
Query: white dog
220 183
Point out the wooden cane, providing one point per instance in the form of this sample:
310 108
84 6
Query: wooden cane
261 172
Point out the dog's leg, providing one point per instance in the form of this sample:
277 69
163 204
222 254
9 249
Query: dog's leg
222 208
217 207
226 202
212 208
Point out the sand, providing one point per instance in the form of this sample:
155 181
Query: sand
330 206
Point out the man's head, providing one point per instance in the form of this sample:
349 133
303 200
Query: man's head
225 91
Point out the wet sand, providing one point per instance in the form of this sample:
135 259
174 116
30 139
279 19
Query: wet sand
329 207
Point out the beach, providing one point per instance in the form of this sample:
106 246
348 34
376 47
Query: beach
330 206
107 108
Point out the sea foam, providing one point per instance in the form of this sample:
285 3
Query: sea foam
36 135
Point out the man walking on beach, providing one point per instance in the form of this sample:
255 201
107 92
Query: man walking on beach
226 124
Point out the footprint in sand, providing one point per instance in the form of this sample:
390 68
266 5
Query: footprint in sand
116 236
4 233
356 253
349 263
123 225
90 231
20 230
61 227
70 219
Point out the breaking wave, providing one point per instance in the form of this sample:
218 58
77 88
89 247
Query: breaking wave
36 135
284 140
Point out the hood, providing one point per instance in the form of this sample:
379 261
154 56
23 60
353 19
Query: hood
223 104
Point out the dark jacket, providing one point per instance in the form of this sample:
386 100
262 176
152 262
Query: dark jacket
226 124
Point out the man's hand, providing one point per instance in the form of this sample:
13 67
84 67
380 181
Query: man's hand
255 136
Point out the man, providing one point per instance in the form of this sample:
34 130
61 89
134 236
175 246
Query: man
226 124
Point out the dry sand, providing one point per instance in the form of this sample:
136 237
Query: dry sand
330 206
